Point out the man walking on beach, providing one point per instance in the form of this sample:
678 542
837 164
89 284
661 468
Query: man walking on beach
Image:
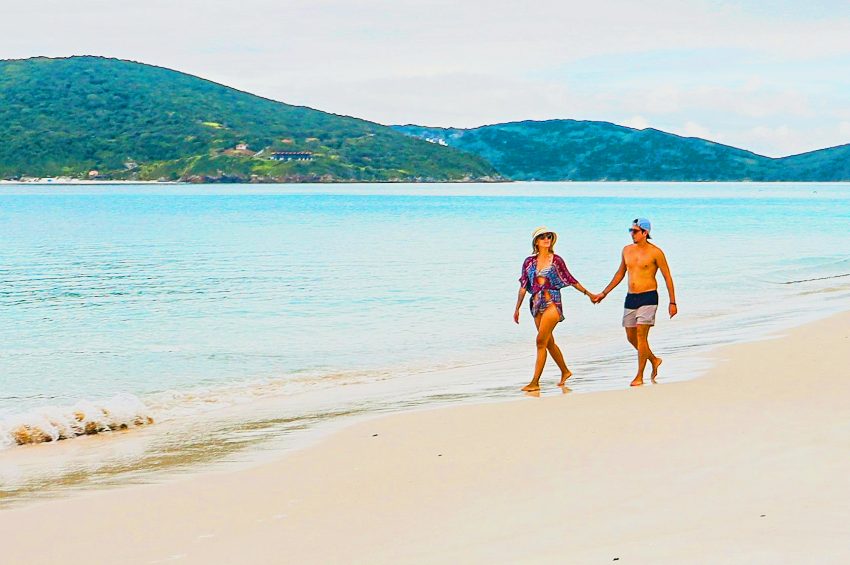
642 260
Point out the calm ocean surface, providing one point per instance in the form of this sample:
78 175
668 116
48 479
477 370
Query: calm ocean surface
240 316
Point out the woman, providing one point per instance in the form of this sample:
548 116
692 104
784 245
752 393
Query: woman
544 274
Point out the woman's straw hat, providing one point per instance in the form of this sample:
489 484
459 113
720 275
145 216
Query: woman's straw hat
542 230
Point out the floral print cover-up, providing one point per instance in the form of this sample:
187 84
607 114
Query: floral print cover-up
545 286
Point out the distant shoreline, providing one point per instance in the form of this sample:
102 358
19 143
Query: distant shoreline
75 182
189 183
185 183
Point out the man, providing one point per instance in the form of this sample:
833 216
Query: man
642 260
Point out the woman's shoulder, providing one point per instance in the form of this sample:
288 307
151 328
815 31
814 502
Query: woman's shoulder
558 259
528 260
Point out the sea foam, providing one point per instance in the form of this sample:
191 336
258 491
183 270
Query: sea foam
86 417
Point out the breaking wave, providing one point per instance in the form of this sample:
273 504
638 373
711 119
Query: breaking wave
87 417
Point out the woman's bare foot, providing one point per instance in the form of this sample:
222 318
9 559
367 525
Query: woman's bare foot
531 387
637 381
564 377
655 364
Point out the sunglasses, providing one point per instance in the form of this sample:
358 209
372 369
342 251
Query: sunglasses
544 236
636 230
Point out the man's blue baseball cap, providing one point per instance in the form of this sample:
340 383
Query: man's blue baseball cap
643 224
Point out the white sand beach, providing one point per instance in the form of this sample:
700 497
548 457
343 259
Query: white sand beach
748 464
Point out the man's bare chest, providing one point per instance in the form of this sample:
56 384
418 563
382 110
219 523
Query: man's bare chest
641 261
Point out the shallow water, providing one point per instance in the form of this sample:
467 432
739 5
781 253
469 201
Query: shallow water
244 316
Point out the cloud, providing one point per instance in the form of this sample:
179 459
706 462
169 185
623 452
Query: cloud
457 100
781 132
636 122
693 129
728 67
750 99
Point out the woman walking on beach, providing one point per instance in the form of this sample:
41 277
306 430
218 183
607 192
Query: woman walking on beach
544 274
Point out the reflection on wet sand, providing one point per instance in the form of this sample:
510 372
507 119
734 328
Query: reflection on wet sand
537 393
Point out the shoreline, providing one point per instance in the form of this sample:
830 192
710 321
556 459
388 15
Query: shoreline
417 183
677 473
158 457
84 182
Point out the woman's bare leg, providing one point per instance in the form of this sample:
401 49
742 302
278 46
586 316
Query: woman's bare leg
556 354
547 322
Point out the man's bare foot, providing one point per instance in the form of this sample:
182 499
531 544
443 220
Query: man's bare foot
655 365
531 387
564 377
638 381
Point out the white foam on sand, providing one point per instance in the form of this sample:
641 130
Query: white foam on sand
86 417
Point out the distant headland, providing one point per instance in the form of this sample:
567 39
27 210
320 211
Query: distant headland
107 119
87 118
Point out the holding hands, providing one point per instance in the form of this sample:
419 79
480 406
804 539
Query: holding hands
597 298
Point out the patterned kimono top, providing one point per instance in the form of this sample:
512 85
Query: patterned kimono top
545 286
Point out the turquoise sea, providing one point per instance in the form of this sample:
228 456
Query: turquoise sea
241 318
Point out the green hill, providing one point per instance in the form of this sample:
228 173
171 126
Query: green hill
589 151
67 117
832 164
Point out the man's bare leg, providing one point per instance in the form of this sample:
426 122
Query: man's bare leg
653 358
656 362
631 335
644 354
546 324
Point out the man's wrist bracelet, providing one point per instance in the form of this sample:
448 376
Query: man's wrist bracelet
672 304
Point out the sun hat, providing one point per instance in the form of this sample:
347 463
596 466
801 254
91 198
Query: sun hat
643 224
540 231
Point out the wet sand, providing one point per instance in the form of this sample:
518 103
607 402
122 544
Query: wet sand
746 465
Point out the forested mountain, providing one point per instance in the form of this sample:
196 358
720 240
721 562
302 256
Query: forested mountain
72 116
93 117
830 164
588 151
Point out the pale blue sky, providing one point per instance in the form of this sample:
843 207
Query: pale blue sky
773 77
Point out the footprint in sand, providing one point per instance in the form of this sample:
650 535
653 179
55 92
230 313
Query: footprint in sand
169 558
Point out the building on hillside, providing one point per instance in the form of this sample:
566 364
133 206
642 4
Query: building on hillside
240 149
292 156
